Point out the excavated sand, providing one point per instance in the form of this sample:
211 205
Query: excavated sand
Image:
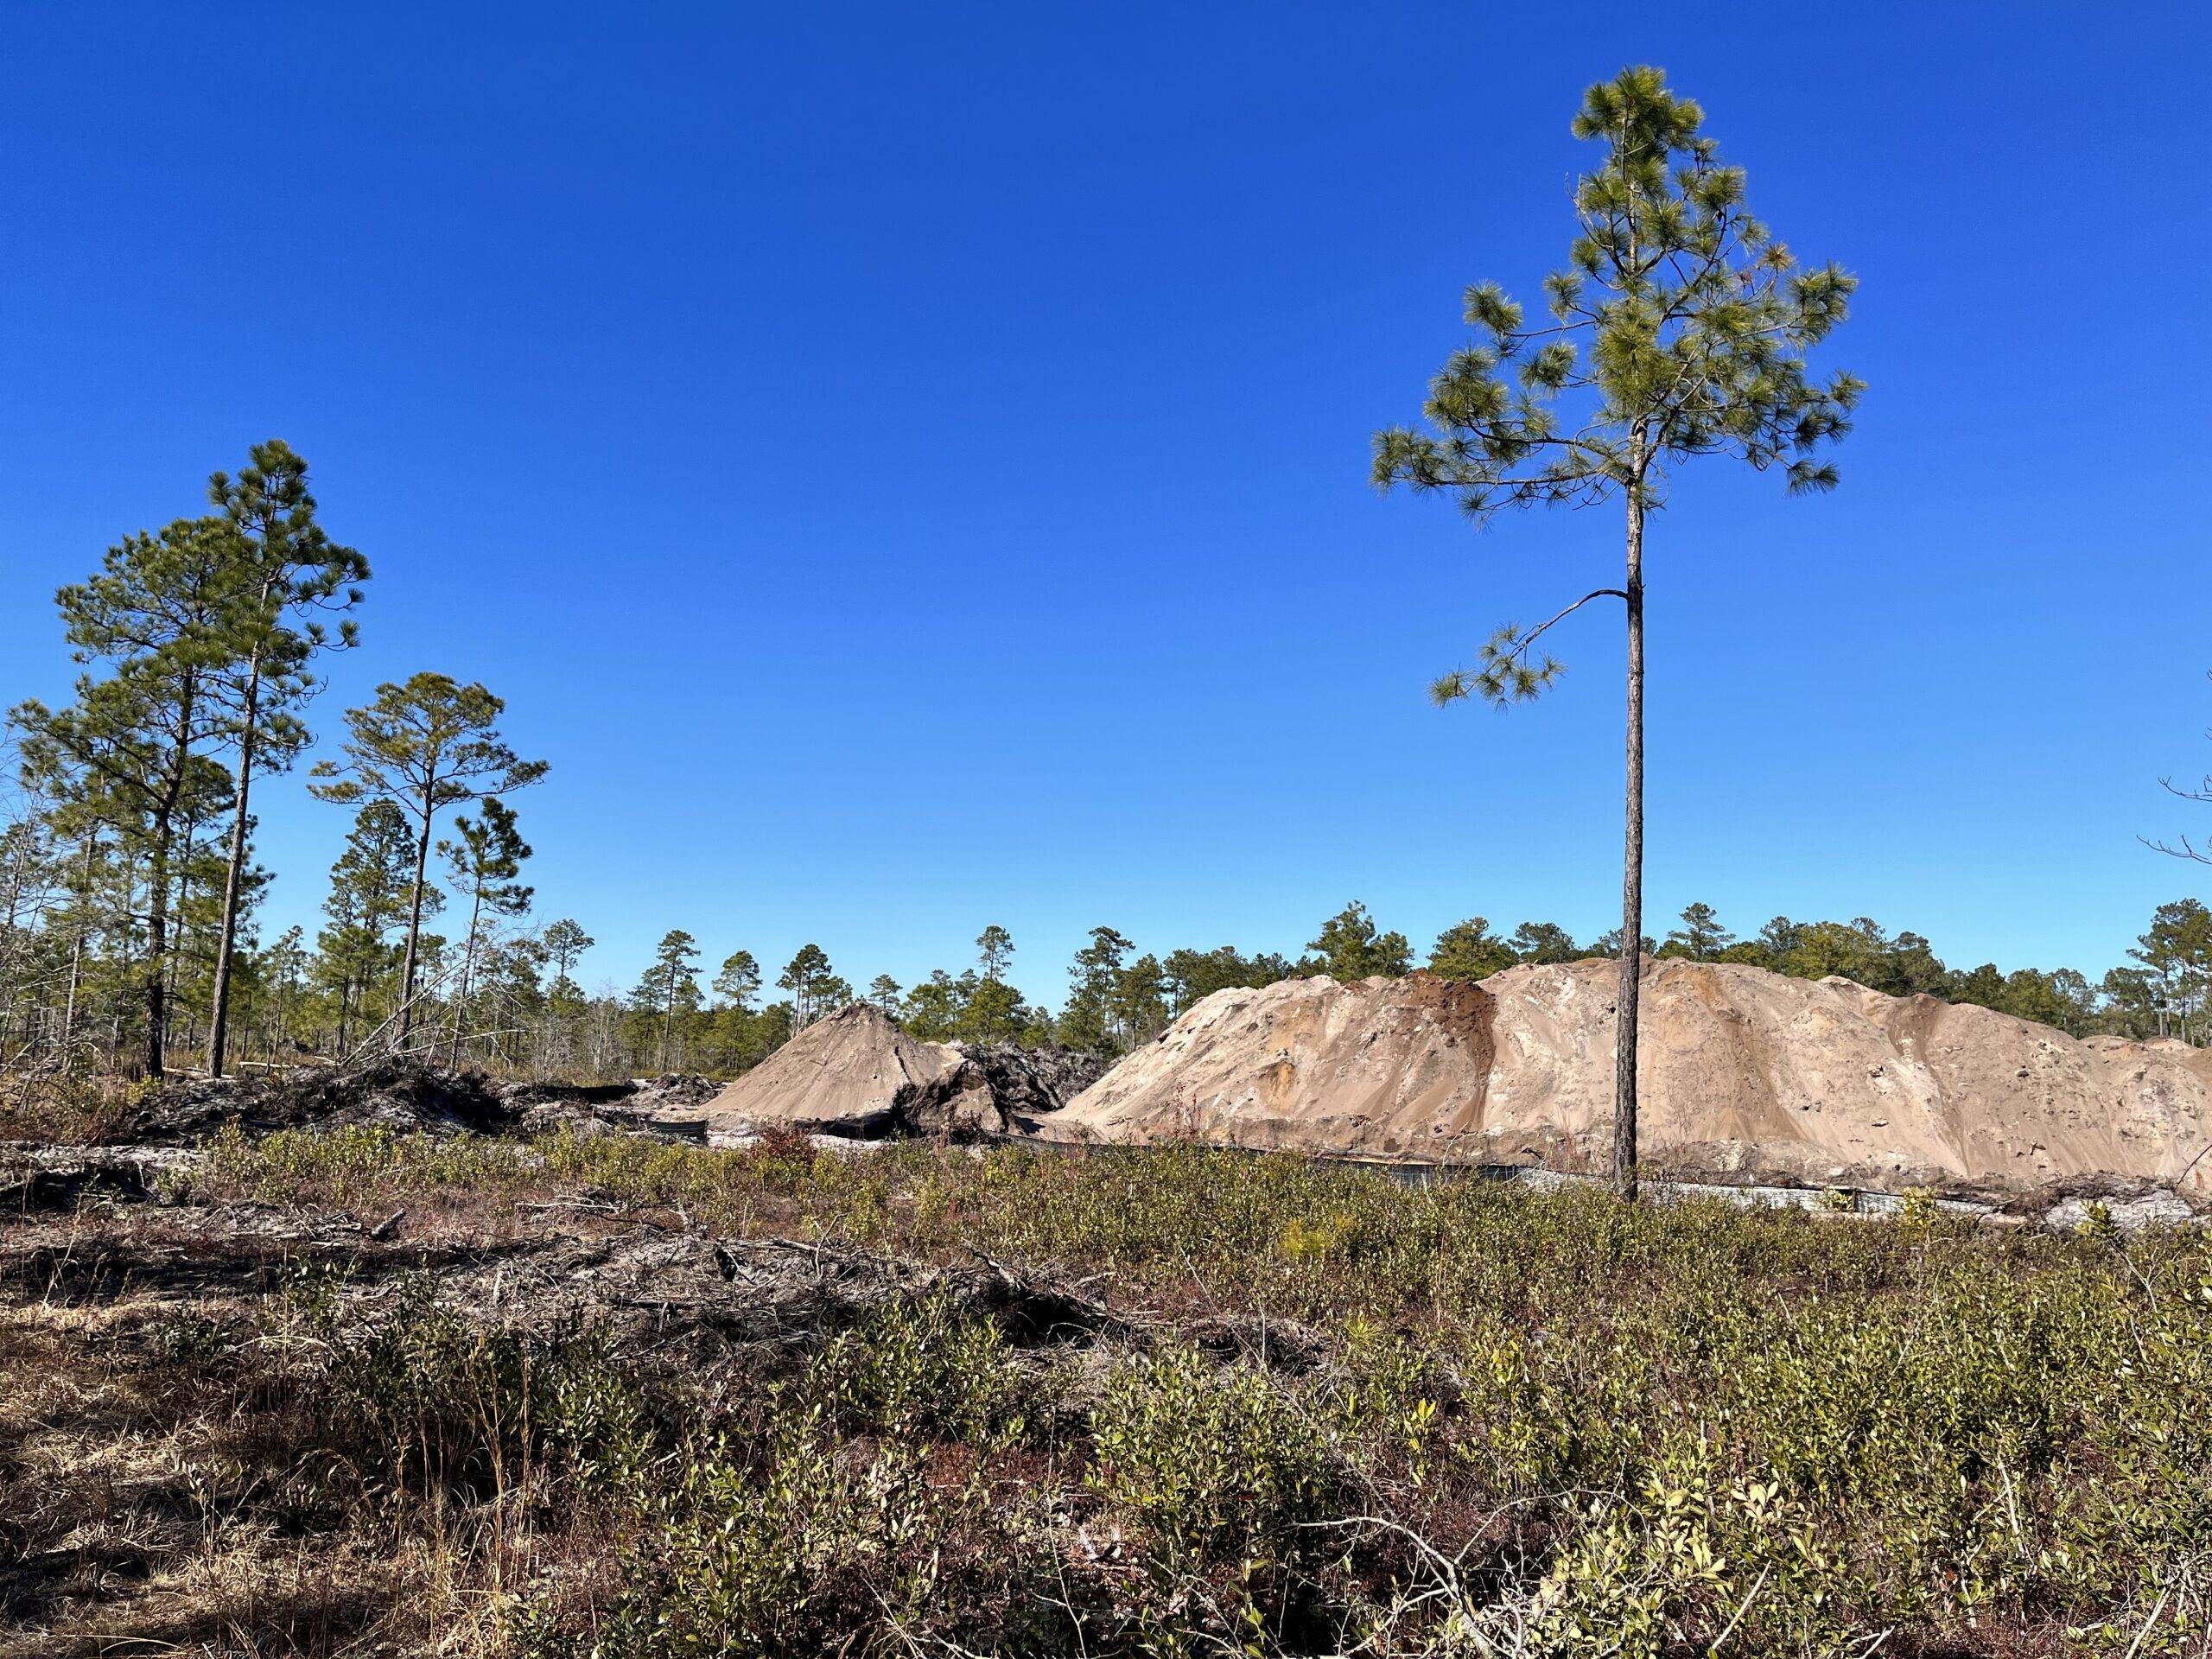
855 1073
1744 1072
849 1072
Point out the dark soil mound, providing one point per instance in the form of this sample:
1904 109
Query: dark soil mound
1042 1078
393 1094
61 1177
674 1089
994 1089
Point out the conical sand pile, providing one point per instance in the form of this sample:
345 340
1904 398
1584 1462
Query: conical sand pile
855 1073
848 1073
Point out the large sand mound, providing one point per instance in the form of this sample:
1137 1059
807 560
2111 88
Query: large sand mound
1744 1072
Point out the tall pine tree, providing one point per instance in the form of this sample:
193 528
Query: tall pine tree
134 750
287 570
485 857
1678 329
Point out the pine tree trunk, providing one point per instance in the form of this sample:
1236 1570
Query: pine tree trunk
414 924
467 968
77 951
157 947
219 1011
1632 851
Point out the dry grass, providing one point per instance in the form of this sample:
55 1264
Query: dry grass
62 1110
153 1500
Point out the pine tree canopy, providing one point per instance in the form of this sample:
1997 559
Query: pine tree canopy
1679 326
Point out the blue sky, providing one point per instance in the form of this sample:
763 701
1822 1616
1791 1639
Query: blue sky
905 466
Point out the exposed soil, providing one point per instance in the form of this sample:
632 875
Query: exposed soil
1746 1076
410 1096
855 1073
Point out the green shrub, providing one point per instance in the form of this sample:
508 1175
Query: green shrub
1212 1464
918 1368
1550 1422
424 1401
809 1542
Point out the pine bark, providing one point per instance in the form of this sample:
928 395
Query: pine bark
1631 981
219 1010
415 922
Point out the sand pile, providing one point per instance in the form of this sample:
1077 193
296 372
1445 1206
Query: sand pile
1744 1073
855 1073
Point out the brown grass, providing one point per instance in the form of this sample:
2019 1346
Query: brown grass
152 1500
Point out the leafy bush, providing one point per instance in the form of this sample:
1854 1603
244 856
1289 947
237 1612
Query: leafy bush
918 1368
1210 1464
810 1542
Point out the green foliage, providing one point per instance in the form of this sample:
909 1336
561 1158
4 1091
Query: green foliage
738 981
806 1543
428 1401
427 744
669 985
815 986
486 857
286 571
2176 965
1351 948
979 1006
485 860
1469 950
1544 942
424 745
1212 1464
1678 328
1193 976
920 1369
1700 937
1610 1427
132 756
370 888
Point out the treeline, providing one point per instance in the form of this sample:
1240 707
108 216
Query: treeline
131 900
1118 998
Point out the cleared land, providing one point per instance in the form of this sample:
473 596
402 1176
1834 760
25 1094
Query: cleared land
1747 1075
354 1389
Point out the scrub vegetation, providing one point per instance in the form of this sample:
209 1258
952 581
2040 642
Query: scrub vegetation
1275 1407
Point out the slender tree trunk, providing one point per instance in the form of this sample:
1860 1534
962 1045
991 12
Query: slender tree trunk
158 943
77 948
467 968
219 1010
414 923
1632 849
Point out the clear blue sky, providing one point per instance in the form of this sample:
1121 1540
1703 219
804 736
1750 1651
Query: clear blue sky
905 466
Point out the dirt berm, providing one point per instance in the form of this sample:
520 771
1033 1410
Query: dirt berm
1744 1073
408 1096
855 1073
